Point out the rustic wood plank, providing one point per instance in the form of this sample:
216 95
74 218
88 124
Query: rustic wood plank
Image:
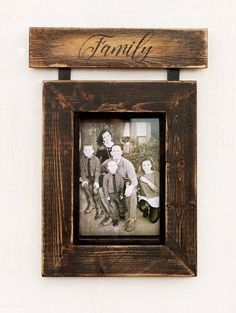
57 158
128 48
151 260
178 256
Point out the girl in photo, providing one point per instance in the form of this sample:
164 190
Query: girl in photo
149 185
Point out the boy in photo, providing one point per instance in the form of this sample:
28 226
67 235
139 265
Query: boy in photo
113 188
89 177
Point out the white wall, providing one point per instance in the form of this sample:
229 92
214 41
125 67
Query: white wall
21 287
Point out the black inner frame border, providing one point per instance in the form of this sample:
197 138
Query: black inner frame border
118 240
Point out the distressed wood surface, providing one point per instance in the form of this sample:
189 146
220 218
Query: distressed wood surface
177 257
128 48
57 158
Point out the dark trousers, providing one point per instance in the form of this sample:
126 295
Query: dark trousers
92 196
149 211
116 206
113 208
88 189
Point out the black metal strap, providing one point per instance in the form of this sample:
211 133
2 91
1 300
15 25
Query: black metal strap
64 73
173 74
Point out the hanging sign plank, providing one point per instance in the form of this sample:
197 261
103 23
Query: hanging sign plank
117 48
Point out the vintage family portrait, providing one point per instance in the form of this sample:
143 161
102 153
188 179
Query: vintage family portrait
119 177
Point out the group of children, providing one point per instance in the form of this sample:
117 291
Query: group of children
105 190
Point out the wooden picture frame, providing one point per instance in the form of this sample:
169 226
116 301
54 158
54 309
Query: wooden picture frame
176 255
175 251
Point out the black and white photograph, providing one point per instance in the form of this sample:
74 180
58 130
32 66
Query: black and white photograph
119 177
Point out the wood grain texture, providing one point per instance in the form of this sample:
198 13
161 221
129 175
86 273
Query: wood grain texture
118 48
178 256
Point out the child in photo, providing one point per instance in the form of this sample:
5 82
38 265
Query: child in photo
89 177
149 195
113 189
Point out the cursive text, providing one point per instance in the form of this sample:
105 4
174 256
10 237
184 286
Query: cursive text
103 45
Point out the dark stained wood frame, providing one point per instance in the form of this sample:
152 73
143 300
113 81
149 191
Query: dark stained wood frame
178 255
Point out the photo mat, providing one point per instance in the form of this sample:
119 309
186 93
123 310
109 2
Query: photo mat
136 139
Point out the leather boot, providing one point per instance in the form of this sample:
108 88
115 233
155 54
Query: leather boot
90 207
154 214
130 226
107 222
